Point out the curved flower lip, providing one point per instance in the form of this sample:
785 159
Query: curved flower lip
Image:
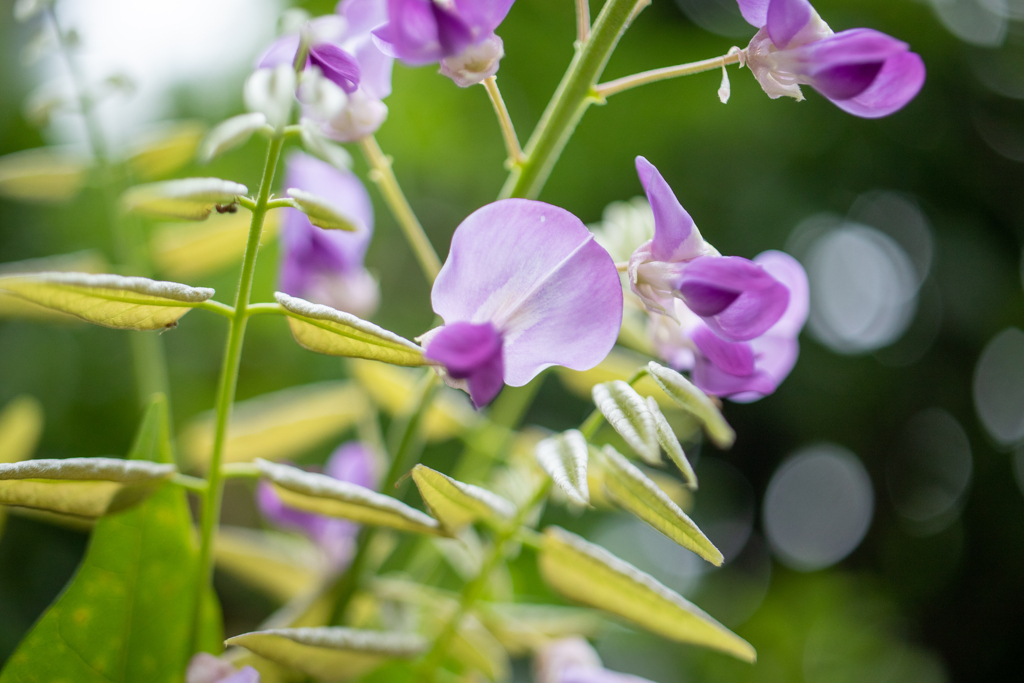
470 352
426 31
896 84
676 237
336 65
736 297
536 274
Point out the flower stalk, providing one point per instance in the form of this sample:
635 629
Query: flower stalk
508 131
610 88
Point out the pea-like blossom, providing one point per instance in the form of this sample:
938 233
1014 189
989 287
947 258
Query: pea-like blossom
573 660
326 266
457 33
525 287
352 462
862 71
735 297
205 668
741 371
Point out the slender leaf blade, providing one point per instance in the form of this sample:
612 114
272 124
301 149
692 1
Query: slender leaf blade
41 175
165 150
670 444
322 212
230 133
189 199
456 504
627 413
564 458
21 425
694 401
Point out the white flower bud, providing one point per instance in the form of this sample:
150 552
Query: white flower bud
320 97
271 93
363 116
476 63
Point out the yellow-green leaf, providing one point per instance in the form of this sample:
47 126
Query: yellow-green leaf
619 364
694 401
476 648
627 413
564 458
41 175
336 333
522 628
670 444
280 425
322 212
185 250
88 261
280 565
324 495
632 490
229 134
88 487
21 424
163 151
190 199
330 653
456 504
589 574
127 303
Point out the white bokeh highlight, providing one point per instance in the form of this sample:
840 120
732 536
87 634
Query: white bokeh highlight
999 387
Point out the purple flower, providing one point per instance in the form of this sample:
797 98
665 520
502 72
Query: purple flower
525 287
862 71
736 298
326 266
573 660
352 462
205 668
741 371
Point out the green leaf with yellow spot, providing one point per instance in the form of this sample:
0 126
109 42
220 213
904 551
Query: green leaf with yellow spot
456 504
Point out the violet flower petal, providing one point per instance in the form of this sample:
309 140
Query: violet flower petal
483 16
586 674
676 238
245 675
422 31
337 66
281 51
734 358
535 272
713 380
791 274
353 462
472 352
755 12
786 18
898 82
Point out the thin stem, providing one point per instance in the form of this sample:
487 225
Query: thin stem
654 75
191 483
282 203
622 266
508 131
228 383
240 470
582 20
575 93
218 308
264 309
382 175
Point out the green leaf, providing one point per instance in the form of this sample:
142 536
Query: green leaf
41 175
522 628
669 442
281 565
564 458
335 333
322 212
127 303
166 149
127 613
21 424
694 401
476 649
330 653
280 425
88 261
183 251
456 504
627 412
589 574
230 133
318 145
631 489
325 495
190 199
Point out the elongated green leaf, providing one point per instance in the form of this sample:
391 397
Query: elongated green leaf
126 615
230 133
522 628
456 504
89 261
322 212
627 412
187 250
21 424
694 401
330 653
280 565
335 333
189 199
280 425
632 490
328 496
669 442
589 574
127 303
41 175
476 648
564 458
164 150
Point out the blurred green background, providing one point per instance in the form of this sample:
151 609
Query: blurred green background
917 599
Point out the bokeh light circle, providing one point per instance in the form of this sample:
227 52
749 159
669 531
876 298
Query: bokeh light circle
999 387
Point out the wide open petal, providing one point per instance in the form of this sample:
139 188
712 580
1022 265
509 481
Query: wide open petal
717 382
755 12
676 237
898 82
421 32
785 19
734 358
759 302
483 16
536 273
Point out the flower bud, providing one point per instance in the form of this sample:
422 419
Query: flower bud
320 98
363 116
476 63
271 92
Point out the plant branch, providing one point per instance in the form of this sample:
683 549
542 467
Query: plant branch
605 90
264 309
582 20
218 308
508 131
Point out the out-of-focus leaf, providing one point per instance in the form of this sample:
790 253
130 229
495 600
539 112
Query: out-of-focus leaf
280 425
127 613
27 9
619 364
321 211
41 175
330 653
89 487
564 458
694 401
627 413
336 333
456 504
163 151
127 303
21 424
632 490
185 250
328 496
230 133
394 390
522 628
315 143
280 565
89 261
670 444
476 648
189 199
589 574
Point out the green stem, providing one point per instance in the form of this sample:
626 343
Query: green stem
228 383
654 75
575 93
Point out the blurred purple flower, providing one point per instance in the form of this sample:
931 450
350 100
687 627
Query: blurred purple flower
862 71
326 266
734 296
573 660
352 462
205 668
525 287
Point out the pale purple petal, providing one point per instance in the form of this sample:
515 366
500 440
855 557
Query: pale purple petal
472 352
734 358
535 272
585 674
675 236
755 12
362 16
353 462
245 675
790 273
205 668
336 65
483 16
422 31
844 65
279 514
899 81
281 51
786 18
713 380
